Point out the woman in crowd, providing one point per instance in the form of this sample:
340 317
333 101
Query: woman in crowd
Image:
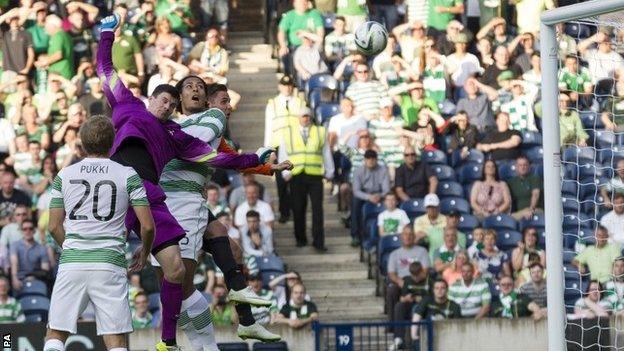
593 304
491 262
528 245
490 195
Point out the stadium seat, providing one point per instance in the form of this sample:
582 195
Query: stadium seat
386 245
574 288
444 172
371 210
507 170
535 154
270 263
319 81
604 139
531 139
446 189
315 99
328 22
35 318
470 172
538 169
234 178
570 205
35 304
537 222
578 30
591 120
325 111
508 239
500 222
571 273
434 157
569 188
608 157
467 223
233 346
413 208
474 156
568 256
371 234
458 204
154 302
33 287
270 346
579 155
576 221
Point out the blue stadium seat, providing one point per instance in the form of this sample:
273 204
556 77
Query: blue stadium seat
591 120
608 157
605 139
35 304
574 288
443 172
371 234
153 302
458 204
508 239
579 155
568 256
467 223
531 139
413 208
234 178
571 273
325 111
434 157
537 222
576 221
270 263
233 346
500 222
535 154
270 346
319 81
474 156
470 172
507 170
371 210
33 287
578 30
156 317
538 169
386 245
570 205
328 21
446 189
35 318
315 99
570 188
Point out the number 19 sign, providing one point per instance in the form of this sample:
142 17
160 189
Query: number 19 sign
344 338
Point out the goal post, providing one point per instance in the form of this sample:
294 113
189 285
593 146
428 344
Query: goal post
550 64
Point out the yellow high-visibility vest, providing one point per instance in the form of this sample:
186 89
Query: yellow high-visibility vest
282 116
306 157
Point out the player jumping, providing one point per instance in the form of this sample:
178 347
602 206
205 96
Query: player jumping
89 204
147 140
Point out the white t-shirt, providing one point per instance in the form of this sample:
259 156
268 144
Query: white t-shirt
462 68
602 65
615 225
341 125
393 221
265 210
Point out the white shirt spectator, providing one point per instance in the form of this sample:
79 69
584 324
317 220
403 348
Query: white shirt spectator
7 135
393 221
366 97
615 225
602 65
266 247
462 68
266 213
342 126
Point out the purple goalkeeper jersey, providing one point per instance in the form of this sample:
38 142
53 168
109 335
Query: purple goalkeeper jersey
163 140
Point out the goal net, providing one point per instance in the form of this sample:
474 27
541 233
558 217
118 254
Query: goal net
582 52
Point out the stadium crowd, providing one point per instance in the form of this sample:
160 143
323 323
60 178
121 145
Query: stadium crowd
49 87
436 144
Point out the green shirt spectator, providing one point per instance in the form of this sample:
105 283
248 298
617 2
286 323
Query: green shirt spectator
599 260
40 38
434 82
571 129
10 308
575 81
62 42
512 305
410 108
351 8
430 308
124 49
471 294
521 188
435 237
419 290
292 22
441 12
143 322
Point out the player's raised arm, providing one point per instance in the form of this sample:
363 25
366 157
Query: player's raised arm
114 89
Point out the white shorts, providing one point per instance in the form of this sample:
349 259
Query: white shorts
191 213
107 290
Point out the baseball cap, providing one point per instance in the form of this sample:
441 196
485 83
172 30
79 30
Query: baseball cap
431 200
305 111
370 154
286 80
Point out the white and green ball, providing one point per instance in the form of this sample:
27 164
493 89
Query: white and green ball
371 38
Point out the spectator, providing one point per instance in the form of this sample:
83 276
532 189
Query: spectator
464 136
239 194
501 64
299 313
17 45
344 127
520 255
615 184
307 147
436 307
477 104
417 287
441 12
484 46
523 52
262 315
435 78
445 44
490 195
502 143
436 236
599 258
298 19
225 218
412 104
603 61
571 129
340 42
431 219
490 261
614 221
169 72
411 38
385 131
392 220
526 191
60 56
512 304
282 291
444 255
127 55
414 178
417 10
520 108
425 131
615 287
10 197
398 267
529 12
385 12
11 233
461 64
612 110
141 317
257 238
35 130
576 81
28 258
366 94
223 313
354 12
382 63
356 160
593 304
166 42
478 234
307 59
471 294
454 271
400 73
10 308
208 57
495 32
213 200
535 289
253 202
40 38
205 276
533 77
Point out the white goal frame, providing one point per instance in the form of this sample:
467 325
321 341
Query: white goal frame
552 157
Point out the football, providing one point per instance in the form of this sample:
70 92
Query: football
371 38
